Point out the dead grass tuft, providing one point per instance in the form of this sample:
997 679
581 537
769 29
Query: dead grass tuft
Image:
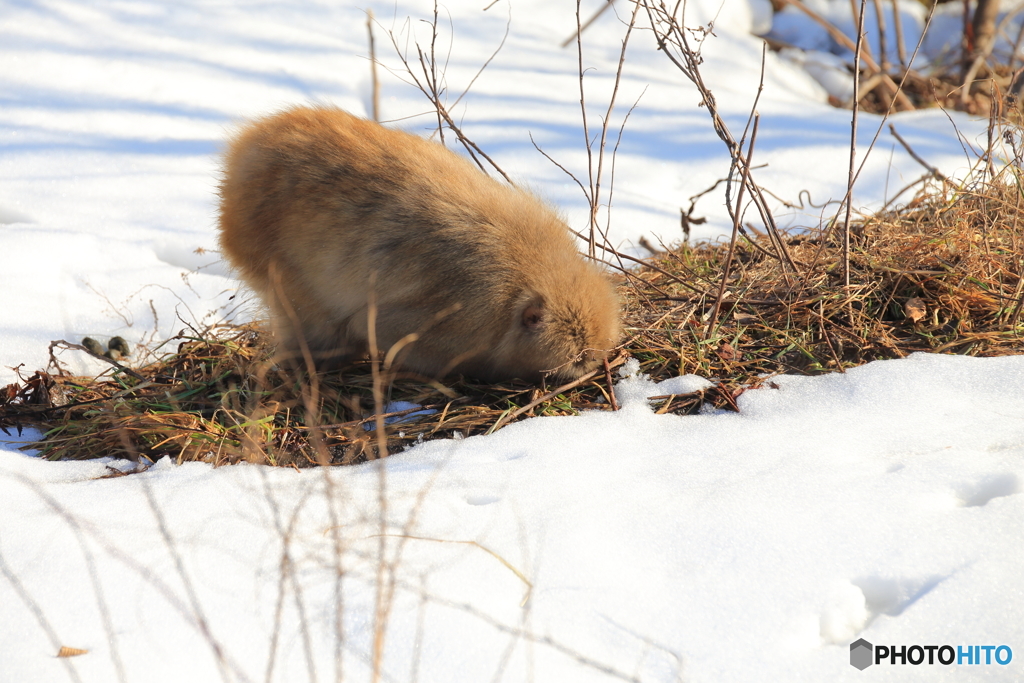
942 274
945 89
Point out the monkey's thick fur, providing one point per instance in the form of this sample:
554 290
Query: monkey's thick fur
322 212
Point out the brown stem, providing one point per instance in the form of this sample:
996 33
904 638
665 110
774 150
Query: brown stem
901 48
713 318
375 96
581 28
551 394
853 144
883 53
936 173
843 40
611 388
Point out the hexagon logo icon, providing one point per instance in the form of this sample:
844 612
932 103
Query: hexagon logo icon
860 654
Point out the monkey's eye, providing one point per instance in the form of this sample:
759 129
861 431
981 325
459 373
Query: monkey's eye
533 315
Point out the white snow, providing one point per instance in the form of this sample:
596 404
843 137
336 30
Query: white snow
938 48
884 503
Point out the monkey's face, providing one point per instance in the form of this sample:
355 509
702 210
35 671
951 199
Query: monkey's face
568 336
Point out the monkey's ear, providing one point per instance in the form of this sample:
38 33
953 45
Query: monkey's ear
533 315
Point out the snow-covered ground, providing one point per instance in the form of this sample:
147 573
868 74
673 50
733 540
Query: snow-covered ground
884 504
881 504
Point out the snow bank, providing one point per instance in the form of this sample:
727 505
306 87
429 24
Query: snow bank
881 503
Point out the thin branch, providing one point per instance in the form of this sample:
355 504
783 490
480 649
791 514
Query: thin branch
433 94
853 144
588 22
726 268
843 40
508 25
60 343
901 48
646 264
611 389
381 607
984 26
564 169
596 189
611 183
432 75
674 43
375 93
936 173
878 131
551 394
586 133
883 53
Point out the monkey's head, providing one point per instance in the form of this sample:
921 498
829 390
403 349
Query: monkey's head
564 332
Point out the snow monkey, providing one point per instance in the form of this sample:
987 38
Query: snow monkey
330 217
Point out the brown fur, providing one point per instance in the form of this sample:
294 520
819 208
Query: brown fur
319 207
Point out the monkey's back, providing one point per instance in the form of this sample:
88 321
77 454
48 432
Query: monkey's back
320 208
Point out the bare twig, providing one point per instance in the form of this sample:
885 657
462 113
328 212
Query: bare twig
1013 59
592 190
674 43
936 173
508 565
883 53
551 394
737 217
596 189
380 604
286 567
60 343
195 608
580 29
431 74
853 144
586 136
508 25
429 86
611 389
984 28
619 256
909 186
375 83
901 48
843 40
846 199
647 264
611 183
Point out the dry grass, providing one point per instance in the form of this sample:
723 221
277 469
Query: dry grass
942 274
945 90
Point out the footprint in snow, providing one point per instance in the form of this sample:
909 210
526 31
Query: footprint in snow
986 489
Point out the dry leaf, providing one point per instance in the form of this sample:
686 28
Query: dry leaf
71 652
727 352
914 309
744 318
